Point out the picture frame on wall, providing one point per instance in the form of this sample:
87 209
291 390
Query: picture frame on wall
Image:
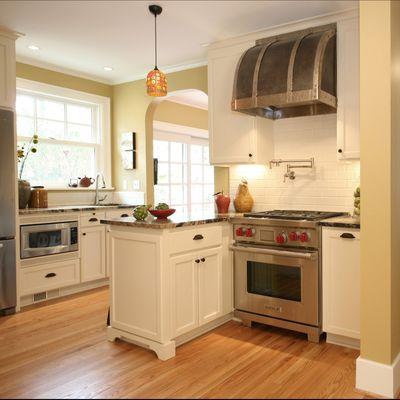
128 150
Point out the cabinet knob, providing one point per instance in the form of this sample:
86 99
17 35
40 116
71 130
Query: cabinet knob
340 151
203 259
83 234
250 155
197 261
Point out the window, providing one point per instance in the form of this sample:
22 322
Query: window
185 178
73 129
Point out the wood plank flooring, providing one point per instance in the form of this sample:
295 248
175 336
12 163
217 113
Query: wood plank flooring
59 350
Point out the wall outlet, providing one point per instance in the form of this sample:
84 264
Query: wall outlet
136 184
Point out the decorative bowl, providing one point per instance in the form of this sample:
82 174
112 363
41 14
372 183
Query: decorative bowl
162 214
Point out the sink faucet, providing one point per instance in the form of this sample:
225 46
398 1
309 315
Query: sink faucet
97 198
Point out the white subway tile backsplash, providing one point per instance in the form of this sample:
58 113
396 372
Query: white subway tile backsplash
329 186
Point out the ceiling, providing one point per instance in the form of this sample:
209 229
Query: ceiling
190 97
81 37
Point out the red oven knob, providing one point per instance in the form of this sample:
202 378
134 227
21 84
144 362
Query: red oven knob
281 238
304 237
239 232
250 232
294 236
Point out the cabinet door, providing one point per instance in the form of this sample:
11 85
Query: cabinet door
184 293
348 89
232 134
7 72
93 253
210 285
341 281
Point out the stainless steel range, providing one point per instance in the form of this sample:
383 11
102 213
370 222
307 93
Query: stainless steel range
277 262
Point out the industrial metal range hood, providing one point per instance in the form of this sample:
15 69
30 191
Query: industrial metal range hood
289 75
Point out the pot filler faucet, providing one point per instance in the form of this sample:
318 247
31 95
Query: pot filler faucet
97 198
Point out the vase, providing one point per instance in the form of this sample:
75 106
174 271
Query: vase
243 201
24 193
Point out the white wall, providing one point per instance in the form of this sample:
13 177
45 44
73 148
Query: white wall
329 186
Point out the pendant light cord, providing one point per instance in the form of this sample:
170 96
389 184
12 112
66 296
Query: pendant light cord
155 40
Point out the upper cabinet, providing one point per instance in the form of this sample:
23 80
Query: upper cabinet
348 89
235 138
7 69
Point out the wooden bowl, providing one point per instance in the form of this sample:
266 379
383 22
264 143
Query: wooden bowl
162 214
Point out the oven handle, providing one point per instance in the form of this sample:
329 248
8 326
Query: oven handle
272 252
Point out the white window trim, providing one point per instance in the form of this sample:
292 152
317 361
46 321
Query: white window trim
44 89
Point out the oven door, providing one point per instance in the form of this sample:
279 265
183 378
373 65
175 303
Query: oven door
45 239
277 283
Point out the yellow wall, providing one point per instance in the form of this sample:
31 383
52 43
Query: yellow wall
59 79
380 191
130 109
179 114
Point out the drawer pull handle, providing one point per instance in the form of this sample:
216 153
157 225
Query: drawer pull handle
51 275
93 220
124 215
198 237
203 259
347 236
197 261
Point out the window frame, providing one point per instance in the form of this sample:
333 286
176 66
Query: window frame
101 122
168 132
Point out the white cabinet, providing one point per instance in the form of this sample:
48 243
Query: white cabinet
7 69
235 138
210 285
341 285
196 289
348 89
93 253
184 294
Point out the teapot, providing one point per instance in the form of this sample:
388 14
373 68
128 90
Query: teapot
85 181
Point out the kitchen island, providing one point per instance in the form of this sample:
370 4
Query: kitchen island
170 280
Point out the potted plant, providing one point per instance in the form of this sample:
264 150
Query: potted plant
24 187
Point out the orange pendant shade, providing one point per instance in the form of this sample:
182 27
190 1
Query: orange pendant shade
156 83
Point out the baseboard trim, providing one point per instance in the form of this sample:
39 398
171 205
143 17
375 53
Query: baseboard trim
344 341
379 379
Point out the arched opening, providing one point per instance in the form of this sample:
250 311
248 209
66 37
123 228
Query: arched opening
177 137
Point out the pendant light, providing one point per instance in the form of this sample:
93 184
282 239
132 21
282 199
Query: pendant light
156 80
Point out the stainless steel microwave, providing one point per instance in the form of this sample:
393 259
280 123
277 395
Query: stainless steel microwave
47 239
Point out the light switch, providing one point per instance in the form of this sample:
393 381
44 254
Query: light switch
136 184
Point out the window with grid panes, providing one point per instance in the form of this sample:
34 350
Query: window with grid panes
70 138
185 177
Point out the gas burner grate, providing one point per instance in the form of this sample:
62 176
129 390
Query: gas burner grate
294 215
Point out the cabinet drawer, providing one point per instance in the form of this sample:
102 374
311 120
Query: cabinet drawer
92 218
194 239
120 213
49 276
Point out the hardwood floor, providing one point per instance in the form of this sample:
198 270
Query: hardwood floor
59 350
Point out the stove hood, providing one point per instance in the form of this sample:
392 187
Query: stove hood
289 75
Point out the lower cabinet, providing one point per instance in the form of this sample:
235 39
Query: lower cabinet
341 284
93 253
49 276
196 289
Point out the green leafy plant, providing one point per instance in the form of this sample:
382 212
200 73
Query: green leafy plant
24 152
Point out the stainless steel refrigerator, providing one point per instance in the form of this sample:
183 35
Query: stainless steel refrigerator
8 283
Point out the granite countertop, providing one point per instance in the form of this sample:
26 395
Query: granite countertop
346 221
76 208
172 222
